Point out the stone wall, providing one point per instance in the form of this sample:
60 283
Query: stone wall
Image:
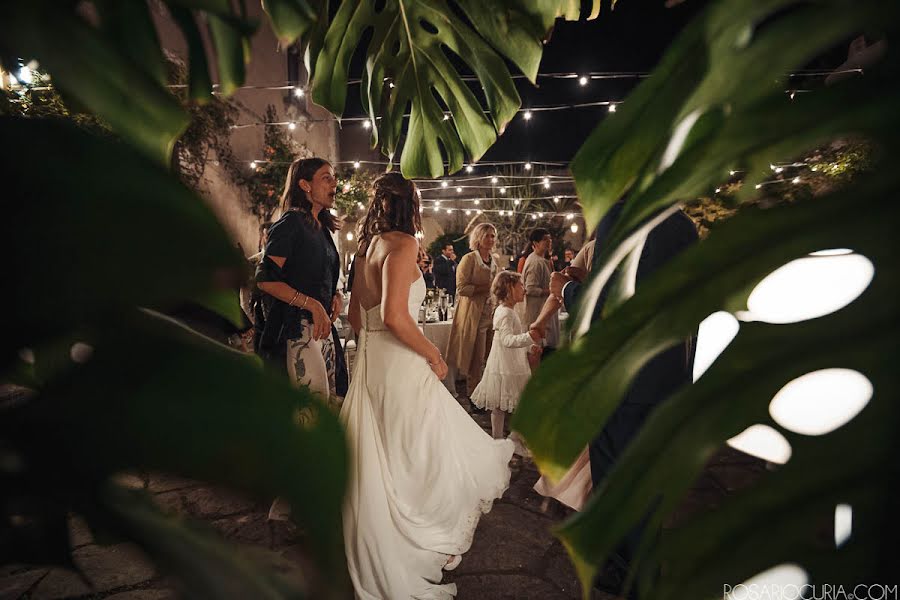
268 67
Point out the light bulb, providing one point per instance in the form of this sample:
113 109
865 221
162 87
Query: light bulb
528 166
582 80
468 212
444 184
477 202
253 164
449 210
494 180
437 203
527 115
574 228
479 211
292 126
360 205
503 190
556 199
367 124
349 237
795 180
469 168
446 117
298 92
459 190
533 217
570 216
516 201
611 107
356 165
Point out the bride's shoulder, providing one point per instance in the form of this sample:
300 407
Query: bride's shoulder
400 240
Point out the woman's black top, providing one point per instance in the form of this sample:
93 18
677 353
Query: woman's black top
311 266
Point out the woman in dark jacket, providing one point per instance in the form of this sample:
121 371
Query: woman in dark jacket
298 276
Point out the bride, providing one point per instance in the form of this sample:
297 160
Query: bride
422 471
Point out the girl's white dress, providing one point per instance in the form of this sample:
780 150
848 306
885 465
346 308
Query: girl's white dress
507 370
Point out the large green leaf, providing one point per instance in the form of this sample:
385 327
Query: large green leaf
292 19
101 229
714 105
91 69
154 396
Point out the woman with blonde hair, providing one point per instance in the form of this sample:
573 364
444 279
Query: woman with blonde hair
421 470
471 331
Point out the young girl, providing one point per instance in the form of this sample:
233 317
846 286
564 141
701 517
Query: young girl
507 369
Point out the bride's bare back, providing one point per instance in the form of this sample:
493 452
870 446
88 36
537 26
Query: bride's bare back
373 276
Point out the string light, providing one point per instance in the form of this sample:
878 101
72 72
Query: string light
298 92
477 202
582 81
446 117
444 184
367 124
795 180
459 190
574 228
533 217
527 115
503 190
528 166
517 201
468 212
494 179
253 165
349 237
556 199
449 210
469 168
292 126
570 216
360 205
437 203
478 211
540 215
612 107
356 164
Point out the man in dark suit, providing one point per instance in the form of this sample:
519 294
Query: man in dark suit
657 380
445 270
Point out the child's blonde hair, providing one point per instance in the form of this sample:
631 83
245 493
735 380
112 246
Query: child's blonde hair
503 284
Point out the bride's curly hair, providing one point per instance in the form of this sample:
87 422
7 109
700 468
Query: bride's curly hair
394 207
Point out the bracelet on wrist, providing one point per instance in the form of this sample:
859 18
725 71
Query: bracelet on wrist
305 300
294 299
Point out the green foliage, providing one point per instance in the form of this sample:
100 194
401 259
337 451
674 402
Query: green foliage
354 187
410 64
265 182
105 240
712 106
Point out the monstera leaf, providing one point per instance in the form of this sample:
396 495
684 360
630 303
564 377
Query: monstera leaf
143 392
410 65
115 69
716 103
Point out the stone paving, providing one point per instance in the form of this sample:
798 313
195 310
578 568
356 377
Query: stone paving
514 555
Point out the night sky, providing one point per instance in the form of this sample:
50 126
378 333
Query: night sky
633 37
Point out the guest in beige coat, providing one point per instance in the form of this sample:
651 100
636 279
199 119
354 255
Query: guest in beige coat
471 332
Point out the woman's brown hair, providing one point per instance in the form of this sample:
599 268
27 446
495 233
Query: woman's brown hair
394 207
294 197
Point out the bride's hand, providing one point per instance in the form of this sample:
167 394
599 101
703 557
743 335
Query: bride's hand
437 364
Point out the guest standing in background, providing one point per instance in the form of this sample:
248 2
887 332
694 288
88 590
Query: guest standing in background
536 274
424 263
471 330
445 270
568 257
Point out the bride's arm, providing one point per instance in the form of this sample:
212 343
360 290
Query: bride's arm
353 313
397 276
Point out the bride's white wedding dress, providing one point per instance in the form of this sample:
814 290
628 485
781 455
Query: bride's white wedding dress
422 471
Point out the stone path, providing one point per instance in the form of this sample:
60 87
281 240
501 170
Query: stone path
514 556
